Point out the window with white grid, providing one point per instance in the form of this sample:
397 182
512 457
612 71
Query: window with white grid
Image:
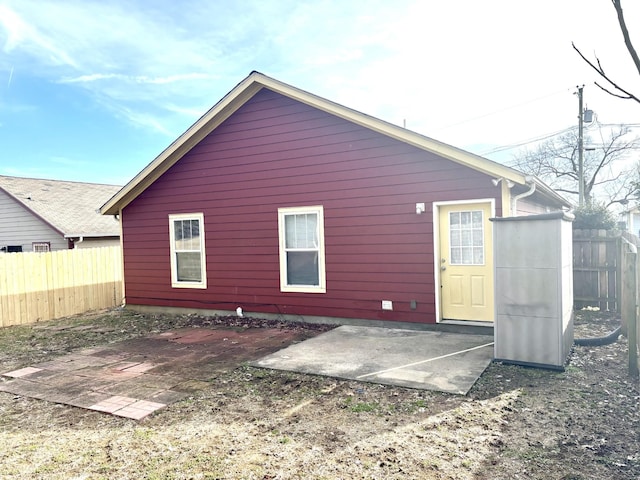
302 266
188 260
466 237
41 246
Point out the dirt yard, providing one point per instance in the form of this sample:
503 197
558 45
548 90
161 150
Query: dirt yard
248 423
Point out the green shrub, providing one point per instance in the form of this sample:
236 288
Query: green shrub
593 216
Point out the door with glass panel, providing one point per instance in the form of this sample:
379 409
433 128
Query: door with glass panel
466 262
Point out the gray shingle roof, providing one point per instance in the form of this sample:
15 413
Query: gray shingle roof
69 207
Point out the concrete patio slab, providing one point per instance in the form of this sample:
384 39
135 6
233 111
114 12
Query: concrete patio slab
429 360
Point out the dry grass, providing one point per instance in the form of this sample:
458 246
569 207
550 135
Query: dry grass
259 424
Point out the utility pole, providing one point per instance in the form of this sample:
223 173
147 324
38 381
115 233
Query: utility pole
580 150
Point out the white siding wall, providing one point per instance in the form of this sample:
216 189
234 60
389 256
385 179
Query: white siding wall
18 226
526 206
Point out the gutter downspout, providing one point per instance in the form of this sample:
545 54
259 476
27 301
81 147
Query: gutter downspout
514 201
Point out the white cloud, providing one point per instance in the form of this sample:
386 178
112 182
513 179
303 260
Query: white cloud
460 71
94 77
133 59
20 35
139 79
146 120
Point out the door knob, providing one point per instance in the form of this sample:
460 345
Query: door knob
443 268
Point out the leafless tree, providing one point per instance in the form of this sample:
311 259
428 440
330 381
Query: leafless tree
610 176
613 88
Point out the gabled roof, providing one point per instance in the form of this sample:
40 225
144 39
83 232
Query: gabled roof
71 208
256 81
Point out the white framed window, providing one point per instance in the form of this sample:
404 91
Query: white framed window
301 232
41 246
188 259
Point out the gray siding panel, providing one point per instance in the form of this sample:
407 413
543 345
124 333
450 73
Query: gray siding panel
18 226
526 206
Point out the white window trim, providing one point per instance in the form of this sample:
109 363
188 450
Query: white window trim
203 257
284 287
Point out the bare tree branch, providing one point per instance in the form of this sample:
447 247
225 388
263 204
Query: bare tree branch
627 95
624 97
625 34
613 148
564 190
623 195
605 176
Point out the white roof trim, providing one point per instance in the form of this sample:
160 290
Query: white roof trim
91 235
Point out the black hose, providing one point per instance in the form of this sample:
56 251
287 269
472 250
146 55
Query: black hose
597 341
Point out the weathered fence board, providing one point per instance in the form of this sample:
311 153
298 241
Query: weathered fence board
596 276
630 283
42 286
606 274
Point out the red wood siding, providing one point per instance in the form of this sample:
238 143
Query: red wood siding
276 152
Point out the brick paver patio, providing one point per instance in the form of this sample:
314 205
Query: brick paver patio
137 377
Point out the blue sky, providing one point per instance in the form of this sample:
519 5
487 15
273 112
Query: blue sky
95 90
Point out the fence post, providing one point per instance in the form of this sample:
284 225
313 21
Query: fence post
629 306
636 319
626 292
619 258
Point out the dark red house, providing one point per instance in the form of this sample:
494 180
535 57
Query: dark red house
284 203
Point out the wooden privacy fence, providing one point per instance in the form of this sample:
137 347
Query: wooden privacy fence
36 287
606 274
629 298
596 272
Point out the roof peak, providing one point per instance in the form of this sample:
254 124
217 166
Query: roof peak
256 81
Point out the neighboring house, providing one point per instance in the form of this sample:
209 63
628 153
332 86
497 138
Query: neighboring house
281 202
632 219
42 215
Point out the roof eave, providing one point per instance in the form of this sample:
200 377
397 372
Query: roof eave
91 235
185 142
254 83
552 194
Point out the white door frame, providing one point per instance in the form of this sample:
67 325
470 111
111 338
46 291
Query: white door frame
437 256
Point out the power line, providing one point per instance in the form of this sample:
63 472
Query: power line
522 143
501 110
619 124
528 141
